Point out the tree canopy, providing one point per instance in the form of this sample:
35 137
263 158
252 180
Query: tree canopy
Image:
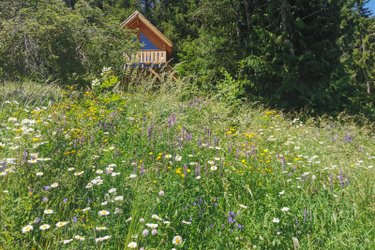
289 54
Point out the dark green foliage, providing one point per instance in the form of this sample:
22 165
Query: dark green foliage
288 54
52 41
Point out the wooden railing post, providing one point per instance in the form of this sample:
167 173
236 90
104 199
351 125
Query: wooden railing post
148 57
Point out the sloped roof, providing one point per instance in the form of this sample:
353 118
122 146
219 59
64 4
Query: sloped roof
136 15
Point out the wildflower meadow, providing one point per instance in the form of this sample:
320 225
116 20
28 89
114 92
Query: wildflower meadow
165 168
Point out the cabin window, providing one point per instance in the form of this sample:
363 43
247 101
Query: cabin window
146 44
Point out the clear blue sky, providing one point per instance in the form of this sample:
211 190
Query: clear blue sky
371 6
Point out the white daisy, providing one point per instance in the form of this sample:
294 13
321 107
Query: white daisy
78 173
103 213
80 238
102 238
44 227
119 198
101 228
48 211
152 225
285 209
27 228
66 241
154 216
132 245
62 223
54 185
177 240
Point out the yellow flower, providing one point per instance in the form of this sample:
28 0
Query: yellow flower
178 171
270 112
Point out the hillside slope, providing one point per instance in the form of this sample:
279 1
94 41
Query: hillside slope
138 169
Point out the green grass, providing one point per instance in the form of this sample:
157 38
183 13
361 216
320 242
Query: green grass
251 163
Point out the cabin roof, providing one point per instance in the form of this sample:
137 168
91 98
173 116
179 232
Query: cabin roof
143 19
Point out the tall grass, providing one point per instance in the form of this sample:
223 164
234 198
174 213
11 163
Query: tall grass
166 162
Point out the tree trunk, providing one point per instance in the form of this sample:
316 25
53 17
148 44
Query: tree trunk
285 11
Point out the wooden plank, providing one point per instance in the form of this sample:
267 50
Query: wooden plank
155 74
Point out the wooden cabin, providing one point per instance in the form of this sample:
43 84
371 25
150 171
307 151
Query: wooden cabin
156 48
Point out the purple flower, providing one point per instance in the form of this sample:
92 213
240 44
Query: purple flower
171 120
44 199
25 154
46 188
231 213
37 220
65 200
239 226
231 219
75 219
348 138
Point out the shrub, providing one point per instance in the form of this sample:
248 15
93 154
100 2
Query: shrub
51 42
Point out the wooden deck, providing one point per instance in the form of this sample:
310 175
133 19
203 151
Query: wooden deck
148 57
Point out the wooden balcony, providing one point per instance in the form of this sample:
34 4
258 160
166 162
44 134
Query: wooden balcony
148 57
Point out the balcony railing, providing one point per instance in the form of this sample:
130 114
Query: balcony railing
148 57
